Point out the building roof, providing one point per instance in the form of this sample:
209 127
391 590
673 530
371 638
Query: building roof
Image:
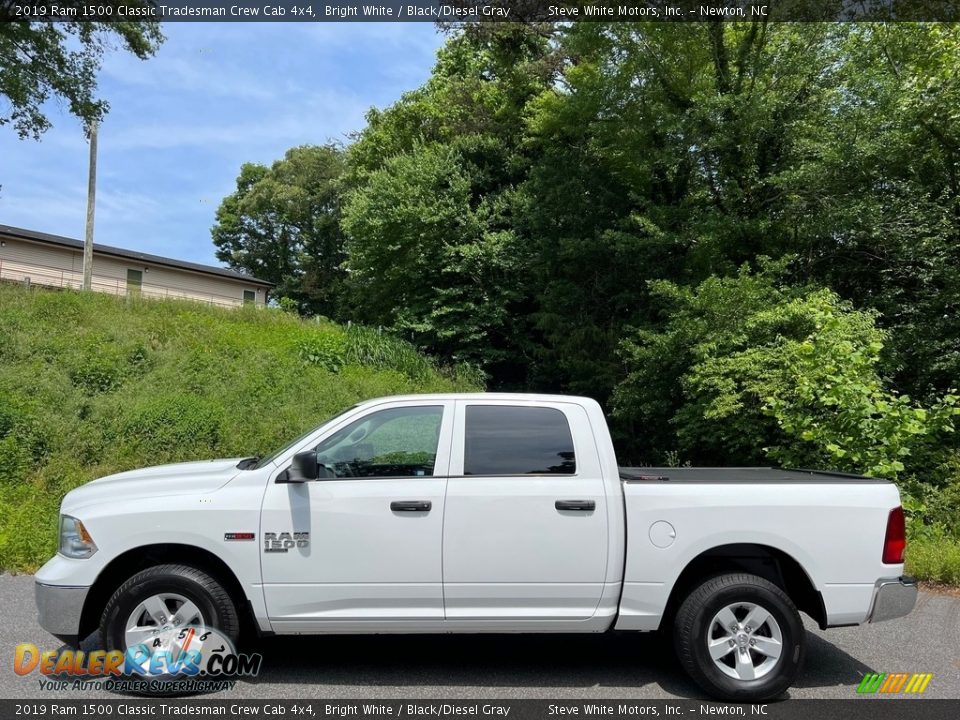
32 235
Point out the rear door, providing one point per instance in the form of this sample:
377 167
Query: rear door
525 523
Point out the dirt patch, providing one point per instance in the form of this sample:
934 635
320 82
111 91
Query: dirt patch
939 589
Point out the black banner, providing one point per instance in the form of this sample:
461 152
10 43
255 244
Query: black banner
857 708
480 10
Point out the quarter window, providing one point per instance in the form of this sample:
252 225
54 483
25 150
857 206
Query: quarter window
517 441
398 442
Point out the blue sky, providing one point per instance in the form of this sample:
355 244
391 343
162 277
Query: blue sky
216 95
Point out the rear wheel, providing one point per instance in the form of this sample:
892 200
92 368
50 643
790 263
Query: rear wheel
740 638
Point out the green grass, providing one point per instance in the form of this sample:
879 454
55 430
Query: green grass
934 560
92 385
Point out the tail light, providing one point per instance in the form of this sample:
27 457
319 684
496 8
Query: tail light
895 542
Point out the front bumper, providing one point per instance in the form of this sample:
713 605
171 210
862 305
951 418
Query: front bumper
59 608
893 598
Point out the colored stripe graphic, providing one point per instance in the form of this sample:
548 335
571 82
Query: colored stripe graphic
871 683
893 683
918 683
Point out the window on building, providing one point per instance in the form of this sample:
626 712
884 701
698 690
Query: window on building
517 441
249 297
134 282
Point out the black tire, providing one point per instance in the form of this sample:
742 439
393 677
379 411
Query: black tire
207 592
694 627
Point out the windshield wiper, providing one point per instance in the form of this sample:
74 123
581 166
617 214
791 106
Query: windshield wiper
248 463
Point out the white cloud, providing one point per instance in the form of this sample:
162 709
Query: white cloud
192 69
216 95
315 120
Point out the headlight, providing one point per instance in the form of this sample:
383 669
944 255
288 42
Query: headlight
75 541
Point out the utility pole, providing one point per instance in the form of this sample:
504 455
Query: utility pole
91 202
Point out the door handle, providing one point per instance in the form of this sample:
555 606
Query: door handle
577 505
411 505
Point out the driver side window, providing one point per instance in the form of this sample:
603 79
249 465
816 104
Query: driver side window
398 442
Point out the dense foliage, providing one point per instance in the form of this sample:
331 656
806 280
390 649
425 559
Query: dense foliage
763 371
91 385
742 238
282 224
42 61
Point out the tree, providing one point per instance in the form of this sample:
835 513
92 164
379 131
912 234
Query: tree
664 152
427 263
433 247
528 205
883 198
43 59
283 225
769 370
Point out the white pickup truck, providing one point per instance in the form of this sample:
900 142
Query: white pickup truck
482 513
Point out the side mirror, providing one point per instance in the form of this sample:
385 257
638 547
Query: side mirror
303 468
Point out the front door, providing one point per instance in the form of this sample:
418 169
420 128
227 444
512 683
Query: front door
525 533
361 549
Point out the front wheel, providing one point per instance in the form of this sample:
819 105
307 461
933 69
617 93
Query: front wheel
165 611
740 638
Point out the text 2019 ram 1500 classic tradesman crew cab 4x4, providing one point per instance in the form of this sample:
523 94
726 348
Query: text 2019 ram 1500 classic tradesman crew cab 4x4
483 513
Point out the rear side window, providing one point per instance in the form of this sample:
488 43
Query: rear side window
517 441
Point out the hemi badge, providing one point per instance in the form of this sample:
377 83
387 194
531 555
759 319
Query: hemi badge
239 536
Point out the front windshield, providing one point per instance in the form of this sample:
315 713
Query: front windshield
274 455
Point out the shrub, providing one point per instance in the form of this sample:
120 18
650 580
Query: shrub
174 427
288 305
325 350
789 372
28 526
97 373
15 460
934 560
366 346
932 499
22 439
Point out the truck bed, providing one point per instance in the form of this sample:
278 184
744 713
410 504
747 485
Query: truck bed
830 524
739 475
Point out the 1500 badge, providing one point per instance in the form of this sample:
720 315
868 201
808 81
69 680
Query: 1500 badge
282 542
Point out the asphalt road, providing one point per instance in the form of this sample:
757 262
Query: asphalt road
528 666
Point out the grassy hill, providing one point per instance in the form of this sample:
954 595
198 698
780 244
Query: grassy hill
91 385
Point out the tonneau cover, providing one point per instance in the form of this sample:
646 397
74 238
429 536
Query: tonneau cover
739 475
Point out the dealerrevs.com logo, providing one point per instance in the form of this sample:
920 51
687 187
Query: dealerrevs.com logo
182 660
894 683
